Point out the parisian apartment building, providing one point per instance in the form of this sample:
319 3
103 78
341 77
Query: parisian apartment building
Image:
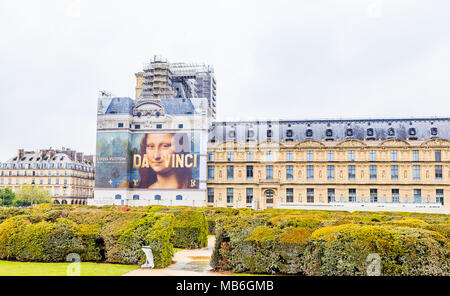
67 175
377 164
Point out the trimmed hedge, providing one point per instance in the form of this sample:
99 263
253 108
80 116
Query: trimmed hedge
331 243
190 230
49 233
344 249
154 230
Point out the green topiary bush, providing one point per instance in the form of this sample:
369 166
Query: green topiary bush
190 229
344 249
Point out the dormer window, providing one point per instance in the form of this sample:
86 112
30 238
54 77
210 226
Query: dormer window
269 133
370 132
329 133
309 133
289 133
349 132
391 132
412 131
434 131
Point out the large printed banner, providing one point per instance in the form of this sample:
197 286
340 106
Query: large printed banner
147 160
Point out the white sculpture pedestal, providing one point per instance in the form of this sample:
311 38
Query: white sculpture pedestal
149 257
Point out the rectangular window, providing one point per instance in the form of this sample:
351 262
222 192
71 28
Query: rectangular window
57 181
65 181
331 195
289 194
330 172
394 172
210 172
49 181
230 156
120 125
437 155
310 172
330 155
249 195
351 172
159 126
416 172
417 196
395 195
394 155
352 195
137 126
249 156
289 156
351 155
373 195
310 195
372 155
309 156
289 172
373 172
440 196
269 156
210 195
230 172
210 156
269 172
415 155
229 195
180 125
438 172
249 172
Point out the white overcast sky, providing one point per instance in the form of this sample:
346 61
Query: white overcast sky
273 59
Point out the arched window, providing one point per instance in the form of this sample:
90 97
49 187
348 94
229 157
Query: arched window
179 197
64 202
71 202
56 202
157 197
269 196
118 196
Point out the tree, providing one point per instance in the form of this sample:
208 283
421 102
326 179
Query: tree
7 196
28 194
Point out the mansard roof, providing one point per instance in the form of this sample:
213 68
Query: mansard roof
125 105
407 129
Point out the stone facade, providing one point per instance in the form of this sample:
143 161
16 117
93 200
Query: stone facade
299 174
67 175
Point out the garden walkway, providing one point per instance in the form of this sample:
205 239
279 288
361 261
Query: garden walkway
185 263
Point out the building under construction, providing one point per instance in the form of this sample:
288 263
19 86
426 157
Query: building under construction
162 79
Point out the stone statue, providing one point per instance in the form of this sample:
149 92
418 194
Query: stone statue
149 257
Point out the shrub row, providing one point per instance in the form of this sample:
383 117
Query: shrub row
331 244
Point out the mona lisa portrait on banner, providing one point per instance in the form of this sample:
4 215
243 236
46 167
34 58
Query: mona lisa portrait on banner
164 161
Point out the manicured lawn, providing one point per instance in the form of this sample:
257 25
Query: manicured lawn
61 269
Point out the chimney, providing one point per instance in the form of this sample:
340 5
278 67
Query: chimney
79 156
20 154
42 153
51 153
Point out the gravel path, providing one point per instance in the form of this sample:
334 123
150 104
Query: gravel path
186 263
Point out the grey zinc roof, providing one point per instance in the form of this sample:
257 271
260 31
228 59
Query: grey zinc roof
120 106
172 106
320 130
178 106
